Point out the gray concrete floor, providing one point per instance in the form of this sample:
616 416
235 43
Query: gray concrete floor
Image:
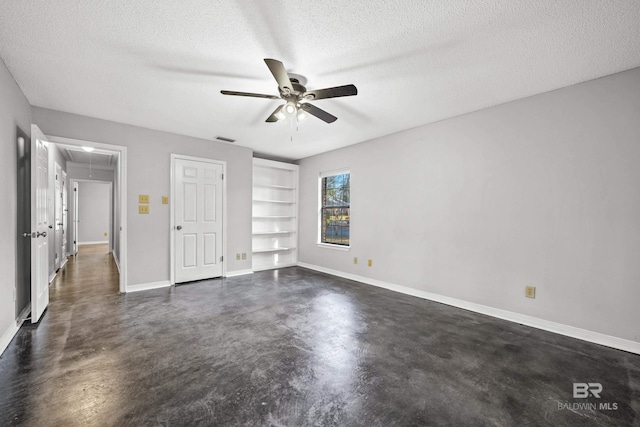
294 347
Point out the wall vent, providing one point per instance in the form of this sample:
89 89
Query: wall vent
223 139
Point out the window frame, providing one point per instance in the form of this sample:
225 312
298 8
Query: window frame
321 177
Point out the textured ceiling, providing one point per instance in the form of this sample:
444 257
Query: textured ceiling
162 64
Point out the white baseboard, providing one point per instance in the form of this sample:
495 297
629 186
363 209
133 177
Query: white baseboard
117 261
64 262
97 242
148 286
238 273
52 276
558 328
8 335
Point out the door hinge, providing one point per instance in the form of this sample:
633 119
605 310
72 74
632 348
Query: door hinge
221 258
222 176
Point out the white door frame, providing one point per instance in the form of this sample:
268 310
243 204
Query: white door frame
65 219
121 170
74 247
172 211
57 222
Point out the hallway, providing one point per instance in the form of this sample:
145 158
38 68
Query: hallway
42 361
292 347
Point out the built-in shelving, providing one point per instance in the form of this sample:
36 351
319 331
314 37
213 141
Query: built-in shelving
260 233
275 211
283 202
259 251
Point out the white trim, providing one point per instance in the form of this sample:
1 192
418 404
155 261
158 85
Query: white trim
64 263
115 259
238 273
332 246
23 314
148 286
52 276
321 176
121 170
97 242
85 166
172 210
8 335
275 164
334 172
558 328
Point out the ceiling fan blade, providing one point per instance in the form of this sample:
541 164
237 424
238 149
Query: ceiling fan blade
332 92
280 74
254 95
273 117
318 112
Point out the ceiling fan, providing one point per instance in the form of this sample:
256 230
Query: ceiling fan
296 95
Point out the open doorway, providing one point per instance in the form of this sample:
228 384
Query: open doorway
92 216
96 188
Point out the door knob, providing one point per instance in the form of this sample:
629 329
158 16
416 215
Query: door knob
179 227
26 234
51 226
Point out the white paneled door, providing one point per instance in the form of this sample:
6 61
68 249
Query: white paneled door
39 223
198 219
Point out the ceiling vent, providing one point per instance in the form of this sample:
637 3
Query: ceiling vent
223 139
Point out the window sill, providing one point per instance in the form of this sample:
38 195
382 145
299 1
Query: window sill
336 247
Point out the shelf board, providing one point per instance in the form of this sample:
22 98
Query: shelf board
279 187
284 202
258 233
258 251
272 217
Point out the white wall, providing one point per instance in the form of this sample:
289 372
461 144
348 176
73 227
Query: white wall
148 166
542 191
94 212
15 112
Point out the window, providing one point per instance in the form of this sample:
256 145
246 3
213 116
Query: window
335 198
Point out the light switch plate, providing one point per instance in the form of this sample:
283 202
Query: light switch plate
143 209
143 198
165 200
530 291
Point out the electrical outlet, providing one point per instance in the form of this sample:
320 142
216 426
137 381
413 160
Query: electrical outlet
237 257
530 291
244 255
143 198
143 209
355 259
370 263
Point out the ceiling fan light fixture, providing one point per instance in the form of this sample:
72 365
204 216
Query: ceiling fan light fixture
280 115
290 108
301 116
